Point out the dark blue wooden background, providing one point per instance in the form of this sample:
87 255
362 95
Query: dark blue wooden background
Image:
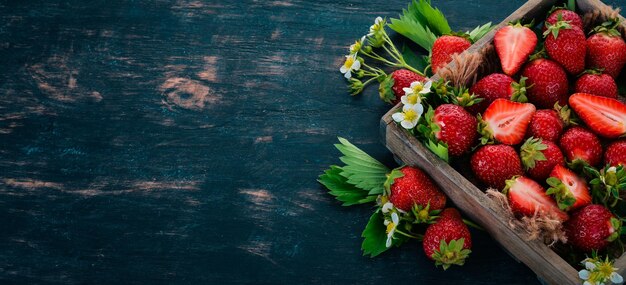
178 142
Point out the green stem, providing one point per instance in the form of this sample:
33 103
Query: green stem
473 225
417 237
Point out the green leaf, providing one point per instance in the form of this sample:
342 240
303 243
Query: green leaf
396 173
362 170
412 59
343 191
571 5
375 236
440 149
480 31
414 31
430 17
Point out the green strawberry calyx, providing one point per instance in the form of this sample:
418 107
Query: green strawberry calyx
532 151
423 215
616 228
485 131
451 253
608 28
519 90
391 177
563 196
556 27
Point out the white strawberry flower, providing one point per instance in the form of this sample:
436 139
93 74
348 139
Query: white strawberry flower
391 228
356 47
598 272
376 27
387 207
418 87
409 116
351 64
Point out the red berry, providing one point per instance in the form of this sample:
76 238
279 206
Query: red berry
507 121
607 52
566 15
597 84
579 143
616 153
450 229
546 125
494 164
567 45
605 116
416 188
402 78
539 158
570 191
444 48
592 228
490 88
528 198
514 43
549 83
457 128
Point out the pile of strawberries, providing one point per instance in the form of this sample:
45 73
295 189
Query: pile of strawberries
549 130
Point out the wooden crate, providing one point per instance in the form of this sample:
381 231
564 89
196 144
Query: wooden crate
547 264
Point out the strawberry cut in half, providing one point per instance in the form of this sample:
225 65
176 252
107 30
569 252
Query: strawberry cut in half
505 121
569 190
605 116
514 43
528 198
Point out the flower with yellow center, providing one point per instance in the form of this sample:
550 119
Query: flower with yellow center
599 272
409 116
351 64
418 88
356 47
376 27
391 228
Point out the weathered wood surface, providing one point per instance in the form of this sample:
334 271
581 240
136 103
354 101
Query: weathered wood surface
541 259
178 142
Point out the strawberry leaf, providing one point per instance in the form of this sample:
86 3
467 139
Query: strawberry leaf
362 170
375 236
421 23
480 31
343 191
414 60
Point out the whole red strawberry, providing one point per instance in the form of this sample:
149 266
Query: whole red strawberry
569 190
456 127
528 198
616 153
546 125
415 188
447 241
578 143
606 49
549 83
597 83
565 15
539 158
444 48
605 116
567 45
402 78
592 228
494 164
496 86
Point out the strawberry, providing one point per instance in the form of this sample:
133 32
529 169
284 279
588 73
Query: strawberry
447 241
444 48
514 43
399 79
506 121
616 153
539 158
528 198
567 45
563 14
494 164
495 86
569 190
415 188
549 83
592 228
578 143
596 83
606 49
456 127
605 116
546 125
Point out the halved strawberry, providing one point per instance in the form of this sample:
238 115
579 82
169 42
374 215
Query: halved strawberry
569 190
514 43
528 198
605 116
506 121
